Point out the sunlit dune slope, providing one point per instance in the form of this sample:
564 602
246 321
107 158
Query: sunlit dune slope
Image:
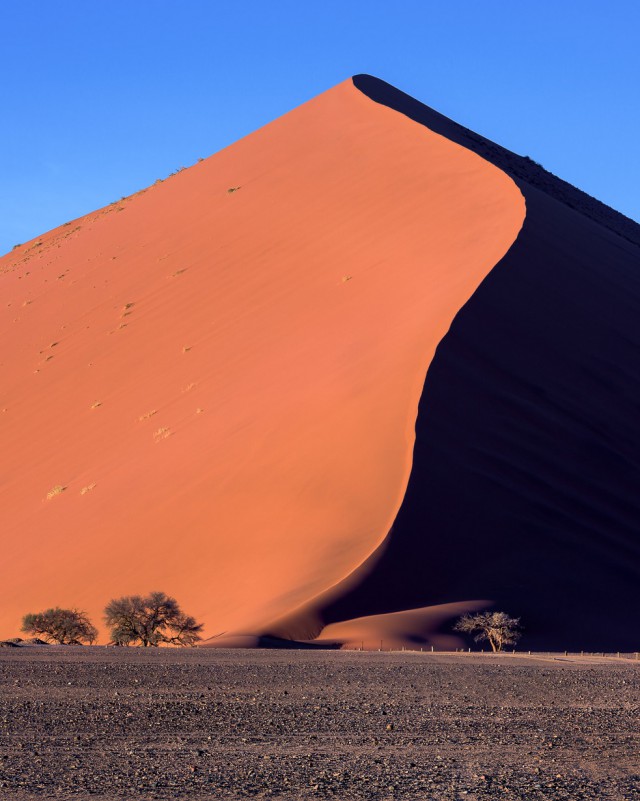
210 388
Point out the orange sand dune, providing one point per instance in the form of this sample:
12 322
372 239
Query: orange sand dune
210 387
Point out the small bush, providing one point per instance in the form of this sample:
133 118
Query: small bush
64 626
151 621
496 627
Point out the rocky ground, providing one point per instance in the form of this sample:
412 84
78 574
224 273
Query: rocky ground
107 723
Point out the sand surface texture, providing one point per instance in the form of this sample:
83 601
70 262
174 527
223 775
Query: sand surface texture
202 724
210 388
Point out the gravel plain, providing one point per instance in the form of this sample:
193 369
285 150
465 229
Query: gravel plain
132 723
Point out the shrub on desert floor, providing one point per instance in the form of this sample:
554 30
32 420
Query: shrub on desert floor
155 619
63 626
496 627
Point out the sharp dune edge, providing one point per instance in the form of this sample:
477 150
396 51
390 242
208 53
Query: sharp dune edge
213 388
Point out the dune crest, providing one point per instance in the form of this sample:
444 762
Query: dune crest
523 488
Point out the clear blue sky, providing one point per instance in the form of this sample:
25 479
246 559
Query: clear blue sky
98 99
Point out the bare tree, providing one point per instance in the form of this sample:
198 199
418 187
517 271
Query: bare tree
150 621
64 626
496 627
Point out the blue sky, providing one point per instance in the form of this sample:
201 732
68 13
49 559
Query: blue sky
98 99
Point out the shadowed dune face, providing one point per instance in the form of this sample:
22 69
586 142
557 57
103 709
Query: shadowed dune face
210 387
527 442
526 475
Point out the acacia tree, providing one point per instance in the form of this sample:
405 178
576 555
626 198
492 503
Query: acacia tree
64 626
150 621
496 627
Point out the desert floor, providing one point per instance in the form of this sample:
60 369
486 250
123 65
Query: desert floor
106 723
